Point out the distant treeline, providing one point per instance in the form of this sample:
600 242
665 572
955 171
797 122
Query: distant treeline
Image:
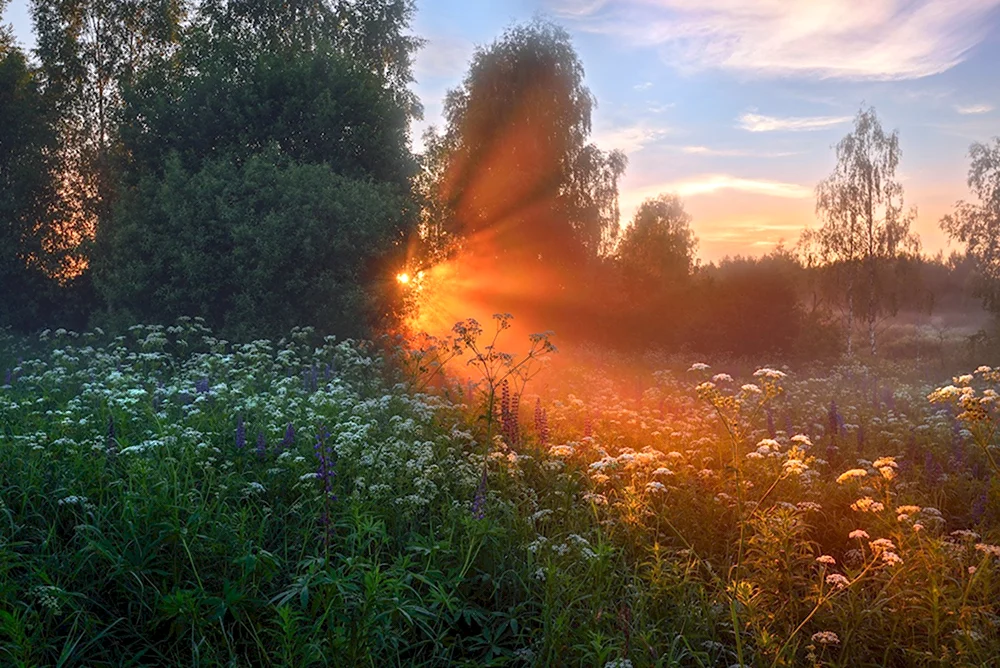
249 162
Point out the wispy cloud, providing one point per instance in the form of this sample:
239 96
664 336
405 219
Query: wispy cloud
629 138
733 152
645 85
967 110
759 123
708 184
877 39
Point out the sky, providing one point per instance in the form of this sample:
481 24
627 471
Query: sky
737 105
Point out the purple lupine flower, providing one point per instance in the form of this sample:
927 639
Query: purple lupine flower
326 461
325 472
979 508
261 445
541 423
241 433
479 500
588 428
833 419
861 436
789 428
201 385
771 429
289 439
8 378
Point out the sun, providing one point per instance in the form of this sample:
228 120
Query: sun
403 278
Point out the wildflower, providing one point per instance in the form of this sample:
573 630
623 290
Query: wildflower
596 499
908 510
985 548
770 374
261 445
850 475
288 440
479 500
794 467
880 544
882 462
699 366
662 472
826 638
972 570
826 560
890 558
801 439
241 433
860 534
918 527
655 486
765 445
722 378
809 506
619 663
750 388
837 581
255 487
561 451
965 534
867 504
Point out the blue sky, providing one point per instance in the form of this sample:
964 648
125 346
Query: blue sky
736 105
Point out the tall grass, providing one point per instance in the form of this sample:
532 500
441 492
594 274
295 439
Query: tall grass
168 498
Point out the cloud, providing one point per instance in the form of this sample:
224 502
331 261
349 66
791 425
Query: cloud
966 110
709 184
645 85
630 138
845 39
759 123
733 152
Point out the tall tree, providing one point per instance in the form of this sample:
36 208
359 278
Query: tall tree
90 51
865 227
373 33
657 250
262 196
977 224
520 169
28 198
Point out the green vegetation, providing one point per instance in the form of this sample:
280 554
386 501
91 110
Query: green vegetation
170 498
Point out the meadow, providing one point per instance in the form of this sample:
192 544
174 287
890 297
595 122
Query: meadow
171 498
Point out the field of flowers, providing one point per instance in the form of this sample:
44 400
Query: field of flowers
168 498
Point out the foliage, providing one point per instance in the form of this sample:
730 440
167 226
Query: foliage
29 222
518 166
977 225
170 498
261 196
862 207
371 33
248 246
657 250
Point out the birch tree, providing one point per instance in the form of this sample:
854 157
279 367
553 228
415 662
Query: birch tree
865 226
977 225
